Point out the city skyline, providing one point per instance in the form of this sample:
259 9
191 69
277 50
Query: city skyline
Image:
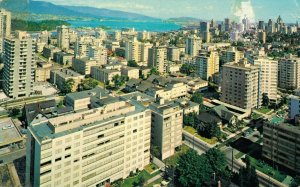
203 9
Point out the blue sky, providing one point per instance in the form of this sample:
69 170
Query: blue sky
206 9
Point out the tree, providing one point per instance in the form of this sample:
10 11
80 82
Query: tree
132 63
88 84
189 119
193 170
67 86
209 130
153 71
187 69
141 180
248 176
197 98
154 150
265 100
119 80
15 112
217 161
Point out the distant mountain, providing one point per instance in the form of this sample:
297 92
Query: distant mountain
41 7
184 19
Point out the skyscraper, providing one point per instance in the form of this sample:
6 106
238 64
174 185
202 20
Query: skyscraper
18 73
158 58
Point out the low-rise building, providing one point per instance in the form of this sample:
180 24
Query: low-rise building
84 65
130 72
49 50
61 76
63 58
42 72
104 75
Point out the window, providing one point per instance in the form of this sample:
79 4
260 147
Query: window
67 156
134 131
68 148
58 159
45 163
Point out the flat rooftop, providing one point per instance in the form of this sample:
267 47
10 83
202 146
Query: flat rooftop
8 132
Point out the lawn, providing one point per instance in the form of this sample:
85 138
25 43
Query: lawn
266 169
101 84
264 110
255 116
131 180
150 168
239 155
192 131
174 159
155 182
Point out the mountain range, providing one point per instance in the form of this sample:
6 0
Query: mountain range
41 7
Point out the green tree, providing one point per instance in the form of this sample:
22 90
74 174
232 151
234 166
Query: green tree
119 80
153 71
154 150
15 112
197 98
248 176
67 86
193 170
217 161
132 63
187 69
189 120
209 130
89 84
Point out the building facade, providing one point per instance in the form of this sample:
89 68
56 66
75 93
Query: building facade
207 65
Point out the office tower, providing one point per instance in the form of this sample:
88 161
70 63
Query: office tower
166 127
204 27
63 38
246 24
261 25
91 147
158 58
227 24
213 24
268 77
18 72
206 37
240 85
207 65
173 54
193 45
133 50
271 26
262 37
281 144
289 73
5 26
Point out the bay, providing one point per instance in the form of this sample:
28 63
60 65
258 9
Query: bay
152 26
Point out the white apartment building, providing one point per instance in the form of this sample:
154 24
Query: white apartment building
63 37
19 63
166 127
289 73
240 85
98 53
5 26
158 58
133 50
268 77
207 65
91 147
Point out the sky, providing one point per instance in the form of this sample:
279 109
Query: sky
205 9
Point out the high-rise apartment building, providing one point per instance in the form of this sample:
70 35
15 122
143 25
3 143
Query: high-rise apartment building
268 77
233 55
63 37
133 50
173 54
18 72
158 58
5 26
166 127
262 37
240 85
289 72
193 45
91 147
207 65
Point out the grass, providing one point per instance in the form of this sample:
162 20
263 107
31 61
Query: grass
266 169
264 110
131 180
151 167
192 131
173 160
255 116
239 155
101 84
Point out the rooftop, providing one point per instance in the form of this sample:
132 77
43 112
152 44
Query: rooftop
8 132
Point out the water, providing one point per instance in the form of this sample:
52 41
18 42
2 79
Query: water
154 26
